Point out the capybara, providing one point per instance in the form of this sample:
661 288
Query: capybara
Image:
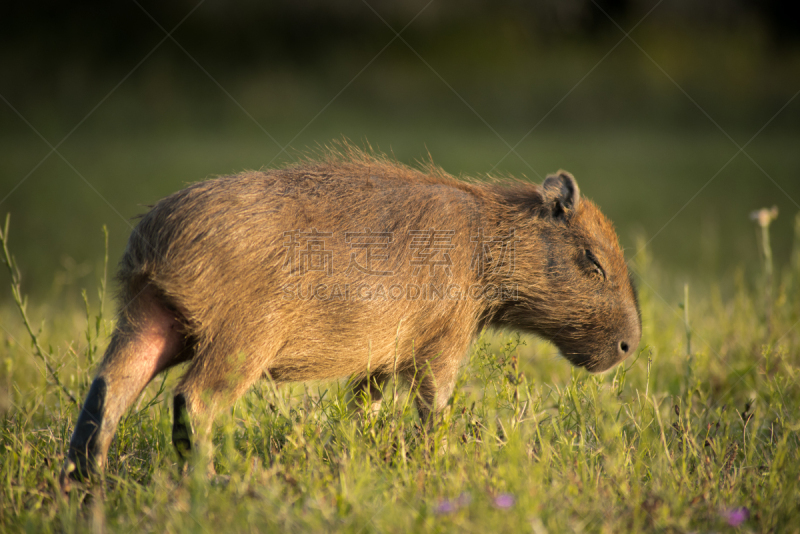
350 265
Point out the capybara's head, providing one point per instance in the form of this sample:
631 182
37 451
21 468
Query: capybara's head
585 301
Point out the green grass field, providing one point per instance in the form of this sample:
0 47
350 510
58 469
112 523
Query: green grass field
697 433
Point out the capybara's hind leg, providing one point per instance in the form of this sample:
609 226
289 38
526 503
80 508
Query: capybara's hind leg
148 339
213 382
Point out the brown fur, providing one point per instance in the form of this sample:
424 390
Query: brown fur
205 276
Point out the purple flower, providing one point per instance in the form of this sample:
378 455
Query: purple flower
446 506
504 501
736 516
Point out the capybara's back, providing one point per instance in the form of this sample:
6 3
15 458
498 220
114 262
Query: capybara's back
350 266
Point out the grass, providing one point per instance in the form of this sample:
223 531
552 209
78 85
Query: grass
685 437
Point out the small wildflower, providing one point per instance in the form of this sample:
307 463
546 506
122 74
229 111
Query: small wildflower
765 216
504 501
447 506
737 516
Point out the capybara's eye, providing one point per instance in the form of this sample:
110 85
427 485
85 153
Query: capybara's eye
596 268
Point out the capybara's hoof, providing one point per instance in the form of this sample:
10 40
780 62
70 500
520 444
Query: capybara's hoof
65 479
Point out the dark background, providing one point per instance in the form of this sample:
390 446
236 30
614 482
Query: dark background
651 125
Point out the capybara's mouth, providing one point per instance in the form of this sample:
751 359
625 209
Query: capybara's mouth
598 365
591 363
579 359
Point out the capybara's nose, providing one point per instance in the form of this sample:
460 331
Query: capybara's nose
624 349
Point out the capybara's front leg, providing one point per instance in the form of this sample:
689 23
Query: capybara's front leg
432 382
366 394
147 340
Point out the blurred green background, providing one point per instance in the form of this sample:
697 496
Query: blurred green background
649 124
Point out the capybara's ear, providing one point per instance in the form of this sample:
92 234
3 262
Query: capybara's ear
561 194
